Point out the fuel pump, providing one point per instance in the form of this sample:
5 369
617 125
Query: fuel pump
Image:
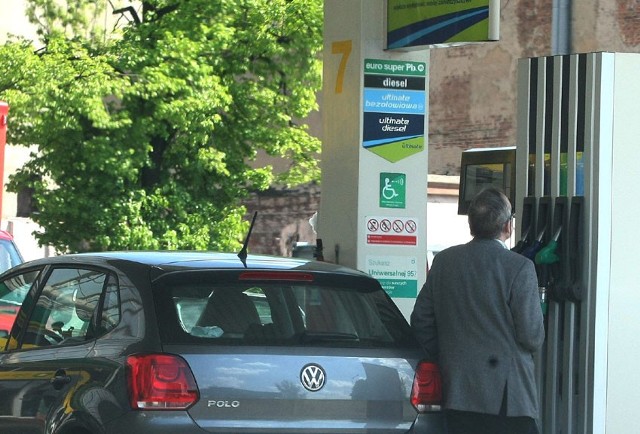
542 250
569 285
577 143
527 224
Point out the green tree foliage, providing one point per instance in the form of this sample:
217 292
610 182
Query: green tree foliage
145 142
68 18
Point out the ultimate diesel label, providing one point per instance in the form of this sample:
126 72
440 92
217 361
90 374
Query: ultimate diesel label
394 108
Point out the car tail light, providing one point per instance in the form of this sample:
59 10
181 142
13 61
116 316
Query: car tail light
160 382
426 393
295 276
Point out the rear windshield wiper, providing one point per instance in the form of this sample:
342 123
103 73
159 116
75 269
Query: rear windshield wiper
313 336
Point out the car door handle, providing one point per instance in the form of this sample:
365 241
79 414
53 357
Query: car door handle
60 379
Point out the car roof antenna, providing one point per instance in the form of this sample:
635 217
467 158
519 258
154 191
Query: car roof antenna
243 252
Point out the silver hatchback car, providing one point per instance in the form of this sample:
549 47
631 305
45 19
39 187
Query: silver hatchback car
196 342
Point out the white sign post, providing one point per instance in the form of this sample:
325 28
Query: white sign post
374 158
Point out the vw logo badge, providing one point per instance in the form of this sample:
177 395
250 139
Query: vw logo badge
312 377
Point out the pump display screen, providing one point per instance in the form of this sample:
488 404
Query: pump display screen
486 167
481 176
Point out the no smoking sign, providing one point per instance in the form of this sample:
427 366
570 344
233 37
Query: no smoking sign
400 231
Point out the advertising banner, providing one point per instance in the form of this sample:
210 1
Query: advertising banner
414 24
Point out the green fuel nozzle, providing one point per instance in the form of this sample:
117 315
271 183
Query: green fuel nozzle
547 255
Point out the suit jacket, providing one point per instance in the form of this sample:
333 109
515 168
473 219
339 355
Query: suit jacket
479 315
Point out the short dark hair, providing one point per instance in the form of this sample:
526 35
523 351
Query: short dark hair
488 212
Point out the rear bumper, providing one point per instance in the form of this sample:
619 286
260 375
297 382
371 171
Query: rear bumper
429 423
163 422
156 422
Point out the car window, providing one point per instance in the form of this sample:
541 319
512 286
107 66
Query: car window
109 316
13 291
228 311
9 255
74 305
287 314
347 312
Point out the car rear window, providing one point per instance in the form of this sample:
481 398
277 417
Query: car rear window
287 313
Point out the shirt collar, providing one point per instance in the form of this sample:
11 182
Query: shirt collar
502 243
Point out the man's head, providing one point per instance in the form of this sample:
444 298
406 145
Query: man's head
490 215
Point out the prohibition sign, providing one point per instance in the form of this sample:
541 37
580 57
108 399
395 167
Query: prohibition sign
410 226
396 231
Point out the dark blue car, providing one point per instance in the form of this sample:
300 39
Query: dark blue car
196 342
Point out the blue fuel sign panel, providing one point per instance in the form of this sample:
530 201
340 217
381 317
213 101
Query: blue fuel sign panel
394 108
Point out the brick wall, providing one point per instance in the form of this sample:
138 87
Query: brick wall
472 88
472 101
283 218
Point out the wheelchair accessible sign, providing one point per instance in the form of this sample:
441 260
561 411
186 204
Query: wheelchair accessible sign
393 188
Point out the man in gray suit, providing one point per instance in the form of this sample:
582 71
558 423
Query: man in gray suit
479 316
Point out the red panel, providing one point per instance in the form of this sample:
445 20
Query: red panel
4 113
